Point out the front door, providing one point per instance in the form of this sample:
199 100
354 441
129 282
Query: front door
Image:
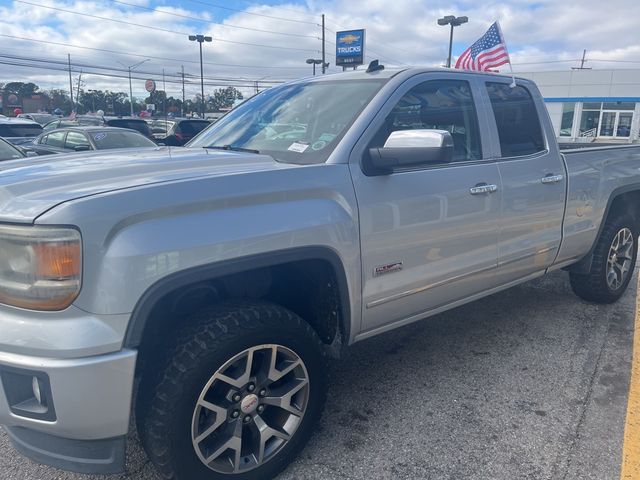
428 239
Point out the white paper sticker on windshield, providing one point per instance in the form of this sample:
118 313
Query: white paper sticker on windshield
298 147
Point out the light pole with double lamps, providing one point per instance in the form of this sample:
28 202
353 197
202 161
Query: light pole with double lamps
201 39
454 22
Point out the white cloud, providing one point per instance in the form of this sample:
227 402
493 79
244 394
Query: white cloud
402 32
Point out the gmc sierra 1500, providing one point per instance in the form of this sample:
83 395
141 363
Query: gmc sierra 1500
315 215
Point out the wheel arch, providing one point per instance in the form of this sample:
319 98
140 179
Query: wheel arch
321 258
625 199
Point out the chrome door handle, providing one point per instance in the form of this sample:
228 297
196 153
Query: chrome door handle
483 188
552 178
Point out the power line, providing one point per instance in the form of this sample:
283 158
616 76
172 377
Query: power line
118 69
150 9
178 60
159 29
280 7
612 61
252 13
111 75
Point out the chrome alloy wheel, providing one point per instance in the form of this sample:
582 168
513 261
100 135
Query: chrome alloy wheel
620 258
250 408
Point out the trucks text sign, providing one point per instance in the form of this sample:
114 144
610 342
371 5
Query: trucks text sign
350 48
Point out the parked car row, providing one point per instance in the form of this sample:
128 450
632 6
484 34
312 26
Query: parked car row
87 132
80 139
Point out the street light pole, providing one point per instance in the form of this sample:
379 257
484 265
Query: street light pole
316 61
201 39
454 22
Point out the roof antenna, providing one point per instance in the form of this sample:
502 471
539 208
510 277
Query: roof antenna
374 66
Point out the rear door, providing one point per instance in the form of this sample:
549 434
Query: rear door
533 178
427 239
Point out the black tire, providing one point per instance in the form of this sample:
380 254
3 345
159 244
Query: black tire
593 286
211 338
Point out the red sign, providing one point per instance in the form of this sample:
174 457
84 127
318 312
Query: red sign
150 86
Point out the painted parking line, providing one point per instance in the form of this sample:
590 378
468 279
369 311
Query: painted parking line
631 450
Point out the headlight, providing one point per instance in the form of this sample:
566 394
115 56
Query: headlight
40 267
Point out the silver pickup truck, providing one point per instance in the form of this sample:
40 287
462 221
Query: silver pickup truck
204 288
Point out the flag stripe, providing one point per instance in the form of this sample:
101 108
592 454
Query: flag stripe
488 52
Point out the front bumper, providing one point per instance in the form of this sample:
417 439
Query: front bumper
88 408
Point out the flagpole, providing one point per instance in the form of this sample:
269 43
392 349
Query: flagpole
513 76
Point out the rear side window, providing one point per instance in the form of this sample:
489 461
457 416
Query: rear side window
20 130
55 139
517 120
191 128
139 126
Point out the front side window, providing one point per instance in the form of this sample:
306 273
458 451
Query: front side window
437 105
517 120
299 123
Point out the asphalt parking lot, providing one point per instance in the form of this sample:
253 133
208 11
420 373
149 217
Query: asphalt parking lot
530 383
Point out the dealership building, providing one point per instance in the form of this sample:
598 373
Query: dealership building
592 105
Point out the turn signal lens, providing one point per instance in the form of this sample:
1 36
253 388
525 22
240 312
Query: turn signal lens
58 260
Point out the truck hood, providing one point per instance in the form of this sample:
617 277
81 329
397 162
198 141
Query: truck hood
30 187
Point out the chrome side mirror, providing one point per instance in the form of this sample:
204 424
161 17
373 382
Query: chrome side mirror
410 148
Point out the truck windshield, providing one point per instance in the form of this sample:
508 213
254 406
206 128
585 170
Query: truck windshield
300 123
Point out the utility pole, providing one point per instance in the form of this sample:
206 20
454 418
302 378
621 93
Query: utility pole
129 67
323 53
182 107
78 90
257 87
582 67
164 99
70 81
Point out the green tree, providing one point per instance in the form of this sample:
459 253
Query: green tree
223 98
22 89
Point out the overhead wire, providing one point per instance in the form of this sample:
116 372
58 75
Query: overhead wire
160 29
111 75
118 69
208 4
201 20
130 54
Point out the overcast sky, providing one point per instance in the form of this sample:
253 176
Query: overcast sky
270 40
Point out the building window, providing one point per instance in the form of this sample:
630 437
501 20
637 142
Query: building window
607 119
566 126
590 120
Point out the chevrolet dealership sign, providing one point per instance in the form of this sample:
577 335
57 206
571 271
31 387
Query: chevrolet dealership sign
350 48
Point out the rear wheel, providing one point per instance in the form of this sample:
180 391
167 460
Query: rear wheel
614 260
238 397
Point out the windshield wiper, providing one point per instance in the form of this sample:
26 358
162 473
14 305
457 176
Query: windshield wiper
232 148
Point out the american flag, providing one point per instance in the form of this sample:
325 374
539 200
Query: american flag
487 53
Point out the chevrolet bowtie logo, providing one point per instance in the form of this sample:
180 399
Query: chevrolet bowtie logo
349 38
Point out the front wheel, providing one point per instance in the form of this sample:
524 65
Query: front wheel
238 397
614 259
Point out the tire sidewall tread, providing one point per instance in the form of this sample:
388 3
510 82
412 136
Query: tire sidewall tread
593 286
210 338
